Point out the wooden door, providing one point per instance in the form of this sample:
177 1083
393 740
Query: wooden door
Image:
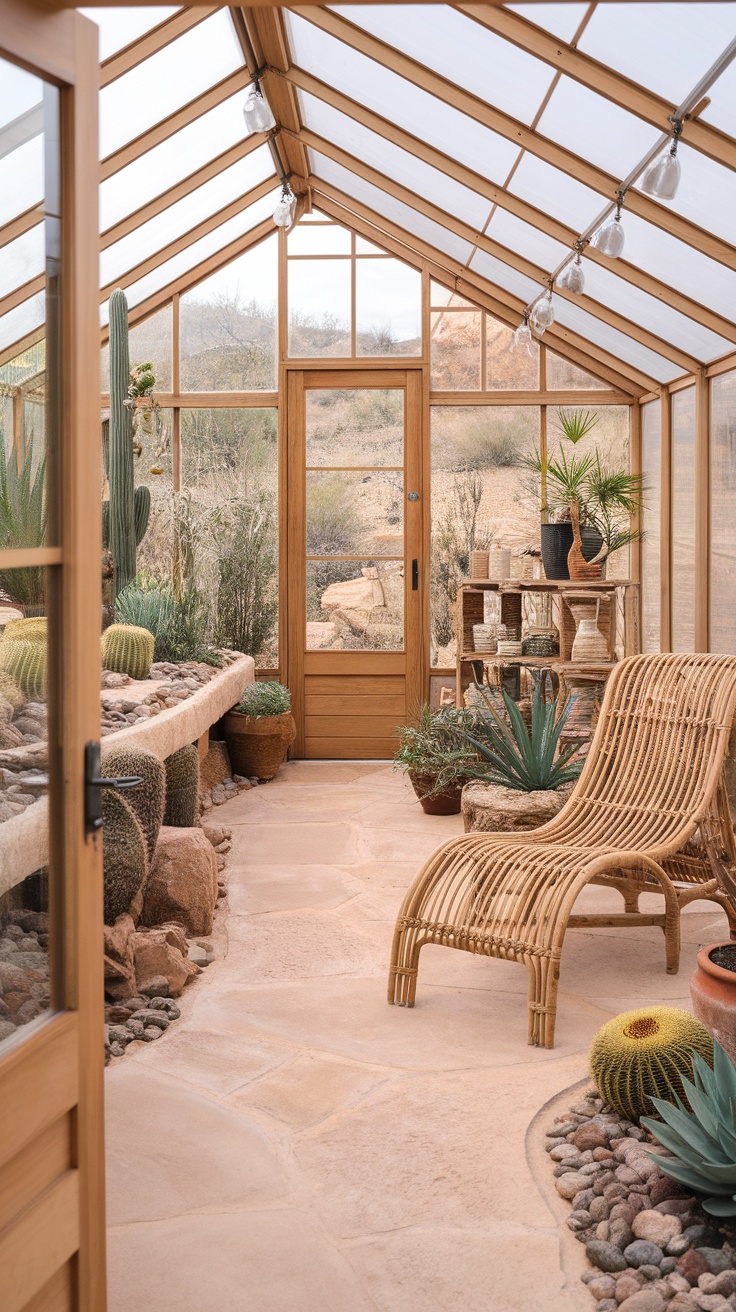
356 589
52 1239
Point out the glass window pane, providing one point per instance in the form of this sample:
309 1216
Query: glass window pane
355 514
651 426
561 19
355 605
22 259
318 239
502 275
440 296
118 27
683 520
595 128
23 320
21 179
706 194
616 342
455 350
507 368
178 73
319 307
722 520
155 553
388 308
680 266
563 375
149 342
228 326
722 108
361 427
556 193
525 240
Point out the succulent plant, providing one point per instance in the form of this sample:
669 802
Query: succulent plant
124 855
265 697
645 1055
127 516
128 650
182 787
148 799
520 759
703 1140
25 662
141 515
34 629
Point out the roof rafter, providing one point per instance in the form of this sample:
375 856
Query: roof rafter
507 201
21 294
501 303
513 130
267 33
14 228
23 344
598 77
509 257
24 128
151 42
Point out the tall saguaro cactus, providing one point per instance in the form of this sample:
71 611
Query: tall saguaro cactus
120 458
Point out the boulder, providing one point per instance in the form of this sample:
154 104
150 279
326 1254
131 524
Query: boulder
119 978
491 808
182 885
155 955
355 595
119 965
321 634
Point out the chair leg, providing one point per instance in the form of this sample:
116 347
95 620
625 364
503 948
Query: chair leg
671 931
631 899
404 968
544 976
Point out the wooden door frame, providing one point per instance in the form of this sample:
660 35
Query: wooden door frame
414 377
57 1070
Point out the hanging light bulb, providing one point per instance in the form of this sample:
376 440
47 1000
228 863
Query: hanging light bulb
662 178
543 314
609 238
522 340
572 277
283 215
257 111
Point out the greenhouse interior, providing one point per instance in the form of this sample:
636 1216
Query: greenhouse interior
368 585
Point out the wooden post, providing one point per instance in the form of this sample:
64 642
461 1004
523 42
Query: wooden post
702 512
665 521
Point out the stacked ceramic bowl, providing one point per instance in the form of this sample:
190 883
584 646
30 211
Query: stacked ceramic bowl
509 648
485 637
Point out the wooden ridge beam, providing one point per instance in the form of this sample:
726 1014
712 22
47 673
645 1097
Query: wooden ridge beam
151 42
474 287
605 184
624 92
508 257
506 200
188 238
267 31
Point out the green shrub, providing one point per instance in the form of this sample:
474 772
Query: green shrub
178 627
265 698
434 747
247 594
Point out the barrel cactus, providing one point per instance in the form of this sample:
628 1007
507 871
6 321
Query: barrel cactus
147 800
182 787
128 650
10 692
126 519
25 662
34 629
124 855
644 1054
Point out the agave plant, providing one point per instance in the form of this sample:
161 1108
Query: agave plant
702 1140
519 758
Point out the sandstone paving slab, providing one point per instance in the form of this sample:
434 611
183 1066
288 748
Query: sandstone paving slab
391 874
253 889
299 843
214 1061
414 845
323 772
172 1150
300 946
306 805
272 1261
309 1088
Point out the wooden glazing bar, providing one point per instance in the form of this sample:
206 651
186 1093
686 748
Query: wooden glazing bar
665 522
16 227
701 571
21 294
152 41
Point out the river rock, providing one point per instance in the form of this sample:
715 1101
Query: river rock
642 1253
715 1259
656 1227
724 1283
154 955
570 1184
182 884
692 1265
604 1255
646 1300
491 808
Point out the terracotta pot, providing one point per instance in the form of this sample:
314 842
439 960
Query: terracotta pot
258 743
713 993
444 803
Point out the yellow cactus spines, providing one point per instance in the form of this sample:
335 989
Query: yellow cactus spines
25 662
644 1054
128 650
34 629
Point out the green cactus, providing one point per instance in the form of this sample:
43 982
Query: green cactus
182 787
124 856
141 512
25 662
128 650
128 509
148 799
34 629
642 1055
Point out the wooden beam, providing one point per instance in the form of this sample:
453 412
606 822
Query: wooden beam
14 228
519 133
23 344
506 200
24 128
473 286
21 294
267 31
151 42
722 365
701 569
598 77
153 136
665 521
499 252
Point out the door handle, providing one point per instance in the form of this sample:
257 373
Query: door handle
414 575
94 783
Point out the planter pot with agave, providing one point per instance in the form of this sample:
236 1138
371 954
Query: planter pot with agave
260 731
713 993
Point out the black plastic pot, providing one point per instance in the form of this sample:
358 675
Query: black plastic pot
590 541
556 543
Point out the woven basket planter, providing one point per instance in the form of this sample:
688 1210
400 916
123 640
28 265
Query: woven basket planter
258 743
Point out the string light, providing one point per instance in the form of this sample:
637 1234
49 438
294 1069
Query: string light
609 238
283 215
257 111
662 178
542 314
522 339
572 277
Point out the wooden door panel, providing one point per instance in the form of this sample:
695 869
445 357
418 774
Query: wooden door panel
350 726
41 1240
383 685
35 1168
349 749
366 704
58 1294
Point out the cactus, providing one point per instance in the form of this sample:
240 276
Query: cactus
644 1054
182 787
25 662
124 856
128 509
148 799
128 650
31 630
10 692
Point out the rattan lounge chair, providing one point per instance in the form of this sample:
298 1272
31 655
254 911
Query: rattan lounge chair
649 813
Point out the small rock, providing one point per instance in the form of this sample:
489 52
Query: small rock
117 1049
157 987
602 1286
642 1253
589 1137
570 1184
724 1283
564 1151
692 1265
682 1303
628 1283
656 1227
136 1028
583 1199
676 1247
715 1259
6 1029
663 1188
605 1255
119 1034
150 1016
649 1271
647 1300
710 1302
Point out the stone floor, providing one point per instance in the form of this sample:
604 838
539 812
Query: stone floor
294 1144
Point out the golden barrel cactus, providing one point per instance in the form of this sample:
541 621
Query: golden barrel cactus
644 1054
128 649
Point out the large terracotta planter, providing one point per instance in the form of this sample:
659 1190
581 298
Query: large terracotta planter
713 993
444 803
258 743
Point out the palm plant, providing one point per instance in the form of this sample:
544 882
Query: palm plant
519 758
703 1140
576 424
613 504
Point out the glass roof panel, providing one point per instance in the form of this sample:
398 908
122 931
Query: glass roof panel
400 101
22 259
526 240
318 239
563 20
615 342
19 92
23 319
118 27
185 214
396 163
664 46
500 275
170 161
179 72
680 266
21 178
706 194
555 192
463 51
595 128
721 111
410 219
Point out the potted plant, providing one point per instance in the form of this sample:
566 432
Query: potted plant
437 759
611 502
556 526
260 730
713 993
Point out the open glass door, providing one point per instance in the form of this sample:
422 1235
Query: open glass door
51 985
355 577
